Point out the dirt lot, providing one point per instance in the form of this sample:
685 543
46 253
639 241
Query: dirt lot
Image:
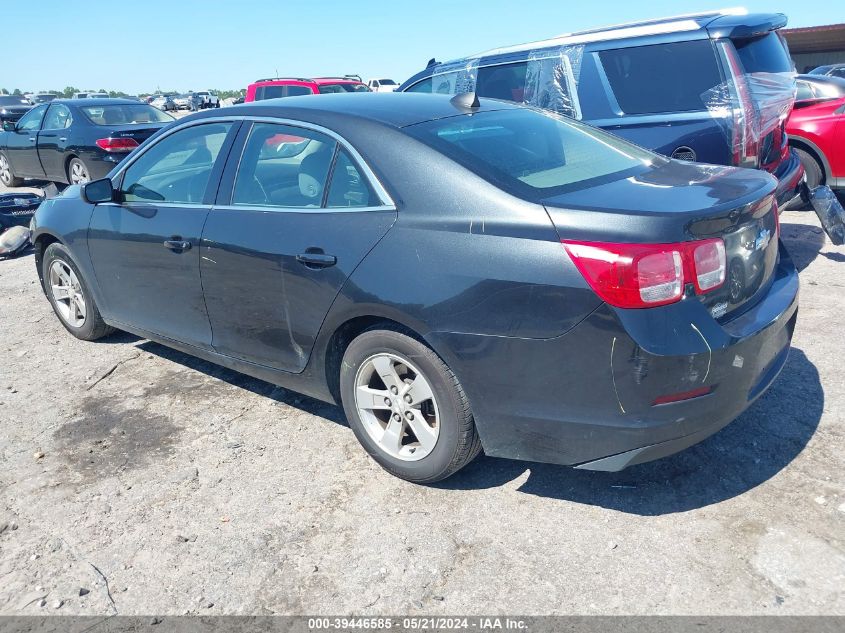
152 482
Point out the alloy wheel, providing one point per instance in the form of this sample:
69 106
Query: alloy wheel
67 294
5 171
78 173
397 407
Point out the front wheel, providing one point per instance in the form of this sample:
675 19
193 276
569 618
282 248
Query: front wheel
77 172
70 295
406 407
7 176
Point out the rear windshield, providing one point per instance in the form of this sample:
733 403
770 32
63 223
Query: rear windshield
13 101
333 88
662 77
531 153
125 114
766 54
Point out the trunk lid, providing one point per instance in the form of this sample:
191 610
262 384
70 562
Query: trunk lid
140 132
680 202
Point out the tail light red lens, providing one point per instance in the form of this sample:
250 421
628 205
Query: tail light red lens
648 275
117 144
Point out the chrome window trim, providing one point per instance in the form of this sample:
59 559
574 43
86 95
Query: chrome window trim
375 183
156 205
320 210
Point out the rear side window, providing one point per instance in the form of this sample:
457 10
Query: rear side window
506 81
765 54
276 92
663 77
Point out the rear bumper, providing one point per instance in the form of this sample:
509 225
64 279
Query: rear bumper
586 398
790 175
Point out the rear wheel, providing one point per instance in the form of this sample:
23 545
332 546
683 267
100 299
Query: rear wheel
812 168
77 172
70 295
7 176
406 407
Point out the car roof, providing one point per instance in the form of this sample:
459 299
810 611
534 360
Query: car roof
387 108
320 81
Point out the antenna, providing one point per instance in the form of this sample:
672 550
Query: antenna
466 101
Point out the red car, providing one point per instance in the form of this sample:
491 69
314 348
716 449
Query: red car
279 87
816 129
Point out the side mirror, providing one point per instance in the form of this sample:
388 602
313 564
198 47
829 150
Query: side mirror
98 191
8 126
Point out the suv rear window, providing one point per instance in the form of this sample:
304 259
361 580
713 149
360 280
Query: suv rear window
275 92
662 77
533 154
766 54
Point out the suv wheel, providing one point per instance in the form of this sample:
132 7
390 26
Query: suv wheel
406 407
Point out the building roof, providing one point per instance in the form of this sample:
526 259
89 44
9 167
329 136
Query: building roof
816 39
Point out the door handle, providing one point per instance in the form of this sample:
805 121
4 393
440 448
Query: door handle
32 139
62 139
316 260
177 244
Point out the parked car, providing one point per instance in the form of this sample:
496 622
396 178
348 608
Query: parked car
73 141
164 102
91 95
382 85
816 129
832 70
275 88
16 211
714 87
13 108
238 100
42 97
187 101
489 275
207 99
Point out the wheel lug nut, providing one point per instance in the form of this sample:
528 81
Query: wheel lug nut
394 390
387 401
397 417
409 415
409 399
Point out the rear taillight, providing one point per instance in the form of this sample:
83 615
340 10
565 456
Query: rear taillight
648 275
746 145
117 144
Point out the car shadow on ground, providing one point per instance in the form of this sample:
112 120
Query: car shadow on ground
803 242
743 455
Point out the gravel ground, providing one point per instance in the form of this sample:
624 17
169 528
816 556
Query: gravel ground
138 480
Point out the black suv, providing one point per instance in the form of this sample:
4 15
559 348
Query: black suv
712 87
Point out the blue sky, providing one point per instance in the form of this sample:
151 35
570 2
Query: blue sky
197 44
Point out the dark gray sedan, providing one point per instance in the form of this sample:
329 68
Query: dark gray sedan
456 274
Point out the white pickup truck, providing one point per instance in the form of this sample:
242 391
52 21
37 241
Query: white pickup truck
382 85
207 99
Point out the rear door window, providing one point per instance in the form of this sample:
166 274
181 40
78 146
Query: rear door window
504 81
662 77
275 92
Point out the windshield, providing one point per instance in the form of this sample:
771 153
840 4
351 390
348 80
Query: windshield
533 154
387 82
125 114
332 88
42 98
10 101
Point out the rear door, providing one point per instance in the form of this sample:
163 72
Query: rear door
21 145
297 212
656 96
53 139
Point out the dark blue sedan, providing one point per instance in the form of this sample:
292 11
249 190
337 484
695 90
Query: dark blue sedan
73 141
457 274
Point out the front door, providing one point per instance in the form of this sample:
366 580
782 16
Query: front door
300 216
145 248
21 148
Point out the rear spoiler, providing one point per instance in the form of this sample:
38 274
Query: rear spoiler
745 26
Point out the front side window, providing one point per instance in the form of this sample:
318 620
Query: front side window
31 121
283 166
662 77
346 87
177 168
58 117
533 154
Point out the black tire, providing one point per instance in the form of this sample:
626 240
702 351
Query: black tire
812 168
458 442
94 327
7 176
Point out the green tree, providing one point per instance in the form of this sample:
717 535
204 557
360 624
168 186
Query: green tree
16 92
69 91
